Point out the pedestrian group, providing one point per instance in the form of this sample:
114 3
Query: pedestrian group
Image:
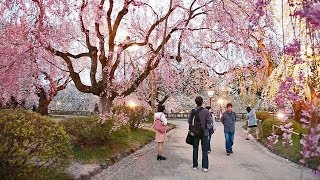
202 126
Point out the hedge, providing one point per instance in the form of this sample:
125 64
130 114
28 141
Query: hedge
31 146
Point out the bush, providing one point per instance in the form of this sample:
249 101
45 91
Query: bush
263 115
297 127
31 146
88 131
267 126
136 115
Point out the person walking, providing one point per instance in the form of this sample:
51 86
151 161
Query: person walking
252 123
212 128
160 137
228 120
199 119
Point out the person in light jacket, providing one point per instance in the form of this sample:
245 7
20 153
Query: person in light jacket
160 138
212 127
252 123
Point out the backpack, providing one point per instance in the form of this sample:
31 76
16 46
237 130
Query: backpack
196 127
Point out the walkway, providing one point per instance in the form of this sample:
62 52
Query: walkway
249 161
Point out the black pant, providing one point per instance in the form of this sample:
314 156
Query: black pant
204 147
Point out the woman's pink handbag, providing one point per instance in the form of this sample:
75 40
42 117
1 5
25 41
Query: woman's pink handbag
157 125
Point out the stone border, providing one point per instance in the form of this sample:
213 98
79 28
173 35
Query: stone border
94 169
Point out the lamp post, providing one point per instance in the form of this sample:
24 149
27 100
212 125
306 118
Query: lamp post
210 94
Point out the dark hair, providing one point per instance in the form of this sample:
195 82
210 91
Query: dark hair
199 100
161 108
208 107
248 109
229 105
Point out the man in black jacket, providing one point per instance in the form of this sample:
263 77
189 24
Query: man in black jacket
205 120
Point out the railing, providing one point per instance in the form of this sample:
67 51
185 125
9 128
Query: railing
79 113
240 116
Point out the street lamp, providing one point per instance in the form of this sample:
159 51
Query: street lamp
210 94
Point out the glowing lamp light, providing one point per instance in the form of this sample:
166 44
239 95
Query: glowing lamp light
132 104
281 115
220 101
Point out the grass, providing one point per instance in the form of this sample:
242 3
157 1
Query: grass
103 153
291 153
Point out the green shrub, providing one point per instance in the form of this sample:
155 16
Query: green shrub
31 146
267 126
263 115
136 115
88 131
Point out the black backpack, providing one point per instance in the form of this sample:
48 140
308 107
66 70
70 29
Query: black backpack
196 127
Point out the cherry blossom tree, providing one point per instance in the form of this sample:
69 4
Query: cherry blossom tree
294 84
25 68
90 32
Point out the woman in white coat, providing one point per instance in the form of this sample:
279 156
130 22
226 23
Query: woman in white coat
160 137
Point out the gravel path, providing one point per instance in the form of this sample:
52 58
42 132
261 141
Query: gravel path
249 161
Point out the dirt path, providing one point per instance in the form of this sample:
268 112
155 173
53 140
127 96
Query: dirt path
249 161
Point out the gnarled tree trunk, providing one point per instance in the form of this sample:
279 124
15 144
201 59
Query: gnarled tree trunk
105 104
43 102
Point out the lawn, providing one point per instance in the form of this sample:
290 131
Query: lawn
101 154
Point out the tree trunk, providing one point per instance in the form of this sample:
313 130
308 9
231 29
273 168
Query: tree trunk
43 107
43 102
106 104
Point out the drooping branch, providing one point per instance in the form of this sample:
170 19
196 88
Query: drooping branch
152 27
192 14
149 67
74 75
